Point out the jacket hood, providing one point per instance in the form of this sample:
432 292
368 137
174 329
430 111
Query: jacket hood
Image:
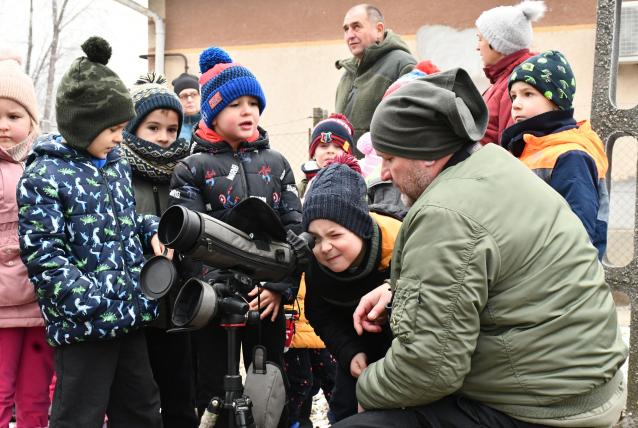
505 65
371 54
52 145
203 146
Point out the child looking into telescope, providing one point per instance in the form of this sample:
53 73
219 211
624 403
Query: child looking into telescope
232 160
352 250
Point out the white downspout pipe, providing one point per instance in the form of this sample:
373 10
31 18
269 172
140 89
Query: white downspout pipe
160 32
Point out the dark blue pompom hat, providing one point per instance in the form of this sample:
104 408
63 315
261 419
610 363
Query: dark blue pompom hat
223 81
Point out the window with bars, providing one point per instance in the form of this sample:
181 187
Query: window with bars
628 44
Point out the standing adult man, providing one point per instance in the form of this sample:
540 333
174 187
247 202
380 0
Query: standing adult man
500 310
187 89
379 57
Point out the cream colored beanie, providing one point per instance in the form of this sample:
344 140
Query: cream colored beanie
15 84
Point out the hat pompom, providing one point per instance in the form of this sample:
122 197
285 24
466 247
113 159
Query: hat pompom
364 143
97 50
347 160
211 57
151 77
345 120
533 9
427 66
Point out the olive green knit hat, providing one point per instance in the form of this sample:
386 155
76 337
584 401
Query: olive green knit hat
91 97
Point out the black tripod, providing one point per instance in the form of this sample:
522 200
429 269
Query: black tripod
235 315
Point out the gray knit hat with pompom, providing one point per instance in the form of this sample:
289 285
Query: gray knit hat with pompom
509 28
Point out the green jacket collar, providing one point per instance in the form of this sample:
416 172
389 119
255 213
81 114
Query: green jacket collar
372 54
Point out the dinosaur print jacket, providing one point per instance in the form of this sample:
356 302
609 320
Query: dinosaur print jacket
81 241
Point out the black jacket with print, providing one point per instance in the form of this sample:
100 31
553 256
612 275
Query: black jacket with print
215 178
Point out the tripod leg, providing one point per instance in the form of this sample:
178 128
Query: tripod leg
209 418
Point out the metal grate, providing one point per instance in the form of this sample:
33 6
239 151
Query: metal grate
622 206
628 46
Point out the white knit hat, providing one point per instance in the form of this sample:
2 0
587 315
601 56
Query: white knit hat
15 84
509 28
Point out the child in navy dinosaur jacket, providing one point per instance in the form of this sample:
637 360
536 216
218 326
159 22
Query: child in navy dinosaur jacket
83 244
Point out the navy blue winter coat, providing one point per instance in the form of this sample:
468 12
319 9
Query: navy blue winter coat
81 241
215 178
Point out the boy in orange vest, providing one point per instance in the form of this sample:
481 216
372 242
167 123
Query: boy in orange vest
568 155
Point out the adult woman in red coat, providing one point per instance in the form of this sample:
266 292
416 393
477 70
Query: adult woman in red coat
504 38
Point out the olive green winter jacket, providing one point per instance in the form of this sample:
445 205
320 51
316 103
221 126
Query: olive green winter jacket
362 85
499 296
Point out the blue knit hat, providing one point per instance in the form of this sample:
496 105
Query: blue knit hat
150 93
339 194
223 81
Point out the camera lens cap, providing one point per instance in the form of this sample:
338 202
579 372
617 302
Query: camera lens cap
157 277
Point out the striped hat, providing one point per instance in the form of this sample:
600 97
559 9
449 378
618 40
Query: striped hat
335 129
150 93
223 81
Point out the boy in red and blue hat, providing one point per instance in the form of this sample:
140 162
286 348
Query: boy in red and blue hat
232 160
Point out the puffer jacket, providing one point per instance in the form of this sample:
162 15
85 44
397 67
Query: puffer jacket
332 297
81 240
305 336
497 96
215 178
574 163
505 303
18 304
363 84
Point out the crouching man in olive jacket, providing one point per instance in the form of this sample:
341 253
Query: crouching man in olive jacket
499 308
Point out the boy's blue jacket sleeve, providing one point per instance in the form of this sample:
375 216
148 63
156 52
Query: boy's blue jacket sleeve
147 228
575 177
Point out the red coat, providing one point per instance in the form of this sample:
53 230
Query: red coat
497 96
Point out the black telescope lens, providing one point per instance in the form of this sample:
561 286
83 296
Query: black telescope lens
179 228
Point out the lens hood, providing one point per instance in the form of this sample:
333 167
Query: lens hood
179 228
196 304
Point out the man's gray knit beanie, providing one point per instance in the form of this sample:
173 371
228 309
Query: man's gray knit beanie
509 28
430 118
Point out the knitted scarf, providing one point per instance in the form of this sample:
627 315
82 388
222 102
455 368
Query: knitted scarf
151 161
19 152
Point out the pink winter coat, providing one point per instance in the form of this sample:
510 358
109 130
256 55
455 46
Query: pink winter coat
18 306
497 95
